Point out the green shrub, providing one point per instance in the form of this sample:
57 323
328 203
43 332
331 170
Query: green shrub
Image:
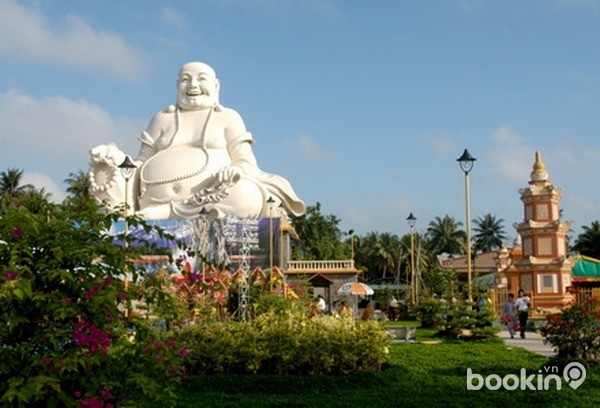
576 331
285 343
267 302
431 312
468 320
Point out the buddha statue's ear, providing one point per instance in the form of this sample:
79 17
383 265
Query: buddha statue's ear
217 90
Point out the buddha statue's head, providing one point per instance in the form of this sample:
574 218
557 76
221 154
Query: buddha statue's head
197 86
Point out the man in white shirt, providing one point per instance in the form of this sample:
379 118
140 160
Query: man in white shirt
522 305
321 305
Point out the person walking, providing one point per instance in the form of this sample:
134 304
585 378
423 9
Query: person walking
392 308
508 315
522 305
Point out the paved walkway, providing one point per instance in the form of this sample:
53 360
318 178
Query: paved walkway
533 342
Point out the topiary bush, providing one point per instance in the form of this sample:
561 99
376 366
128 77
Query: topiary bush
431 312
469 321
576 331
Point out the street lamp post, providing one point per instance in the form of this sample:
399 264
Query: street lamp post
127 168
466 162
282 242
270 203
204 242
411 219
351 233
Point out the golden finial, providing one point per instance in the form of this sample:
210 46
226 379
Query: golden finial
539 173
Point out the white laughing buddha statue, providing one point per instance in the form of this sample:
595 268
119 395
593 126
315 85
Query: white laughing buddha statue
194 156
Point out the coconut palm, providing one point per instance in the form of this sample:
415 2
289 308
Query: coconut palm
10 182
366 255
77 184
34 193
588 242
386 248
489 233
445 235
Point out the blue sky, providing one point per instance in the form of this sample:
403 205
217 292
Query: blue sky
363 106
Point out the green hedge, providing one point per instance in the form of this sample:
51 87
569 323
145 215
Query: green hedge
285 343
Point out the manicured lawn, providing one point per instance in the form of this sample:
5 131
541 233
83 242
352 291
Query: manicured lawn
426 375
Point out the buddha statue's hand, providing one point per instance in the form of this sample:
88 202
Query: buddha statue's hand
105 181
106 154
229 174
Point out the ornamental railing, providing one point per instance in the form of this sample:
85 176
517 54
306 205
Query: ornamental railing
310 266
583 294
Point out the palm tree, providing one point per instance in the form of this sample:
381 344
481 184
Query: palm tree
366 255
489 233
444 235
360 254
377 254
386 247
10 182
78 185
588 242
34 193
37 200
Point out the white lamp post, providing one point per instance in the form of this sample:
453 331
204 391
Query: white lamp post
351 233
127 169
411 219
466 162
270 203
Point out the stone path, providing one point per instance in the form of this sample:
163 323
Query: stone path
533 342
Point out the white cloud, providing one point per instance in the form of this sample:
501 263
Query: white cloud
306 146
375 214
323 7
591 153
441 143
585 205
510 156
60 126
357 219
40 180
578 3
469 5
173 17
25 32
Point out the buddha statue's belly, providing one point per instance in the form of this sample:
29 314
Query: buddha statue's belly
176 173
170 174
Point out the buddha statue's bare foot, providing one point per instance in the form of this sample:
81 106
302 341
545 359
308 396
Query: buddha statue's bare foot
155 212
187 210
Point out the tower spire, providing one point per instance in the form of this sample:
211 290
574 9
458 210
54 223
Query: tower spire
539 174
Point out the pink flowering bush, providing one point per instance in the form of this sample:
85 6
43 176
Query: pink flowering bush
91 337
575 332
64 336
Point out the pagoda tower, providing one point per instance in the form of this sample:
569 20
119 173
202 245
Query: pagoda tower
544 269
